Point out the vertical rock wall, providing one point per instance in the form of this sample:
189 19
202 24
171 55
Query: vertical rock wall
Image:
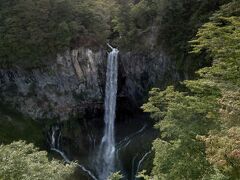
75 82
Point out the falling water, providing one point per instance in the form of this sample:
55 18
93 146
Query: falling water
106 153
142 160
54 136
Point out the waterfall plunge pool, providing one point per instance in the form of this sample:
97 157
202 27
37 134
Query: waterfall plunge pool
133 135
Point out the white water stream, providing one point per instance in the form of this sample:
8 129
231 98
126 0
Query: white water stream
106 153
55 136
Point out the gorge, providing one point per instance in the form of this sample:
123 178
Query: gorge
159 101
73 88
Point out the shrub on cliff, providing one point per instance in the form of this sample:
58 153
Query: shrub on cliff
115 176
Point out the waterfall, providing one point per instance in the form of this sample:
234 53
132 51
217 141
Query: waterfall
54 137
106 153
142 160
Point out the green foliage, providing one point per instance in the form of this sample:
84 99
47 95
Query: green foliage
176 21
220 38
34 31
143 175
223 48
115 176
222 150
182 116
199 125
168 25
19 160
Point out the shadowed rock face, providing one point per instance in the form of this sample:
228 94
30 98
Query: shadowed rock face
55 91
75 83
140 72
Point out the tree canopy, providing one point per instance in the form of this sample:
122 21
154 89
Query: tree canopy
199 122
32 32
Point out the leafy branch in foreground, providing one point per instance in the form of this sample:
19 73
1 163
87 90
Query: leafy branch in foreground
19 160
199 125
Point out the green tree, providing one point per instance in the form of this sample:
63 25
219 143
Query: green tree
220 38
199 122
182 116
168 25
19 160
32 32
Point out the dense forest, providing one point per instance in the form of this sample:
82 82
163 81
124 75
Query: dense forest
197 120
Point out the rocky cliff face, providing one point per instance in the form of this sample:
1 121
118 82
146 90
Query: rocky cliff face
76 82
139 72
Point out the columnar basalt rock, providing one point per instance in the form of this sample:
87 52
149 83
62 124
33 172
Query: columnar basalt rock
76 80
54 91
